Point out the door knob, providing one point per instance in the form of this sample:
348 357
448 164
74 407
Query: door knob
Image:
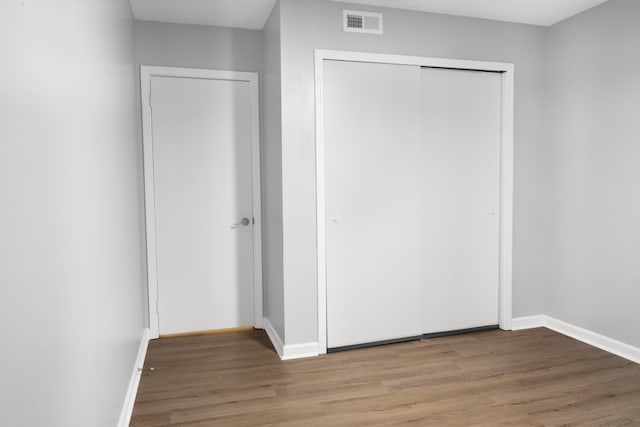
244 222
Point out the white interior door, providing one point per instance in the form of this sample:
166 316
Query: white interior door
460 116
373 217
203 186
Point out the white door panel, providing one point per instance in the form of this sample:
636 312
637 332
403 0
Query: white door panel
461 139
202 186
372 129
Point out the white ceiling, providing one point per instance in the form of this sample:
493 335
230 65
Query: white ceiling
252 14
536 12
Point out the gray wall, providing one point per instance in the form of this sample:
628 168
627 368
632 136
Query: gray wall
71 223
310 24
198 46
272 175
593 171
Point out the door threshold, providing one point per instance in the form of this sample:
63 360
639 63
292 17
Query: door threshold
208 332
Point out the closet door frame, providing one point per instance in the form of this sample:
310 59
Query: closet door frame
506 71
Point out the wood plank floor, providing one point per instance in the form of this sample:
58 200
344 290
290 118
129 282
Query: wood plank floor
533 377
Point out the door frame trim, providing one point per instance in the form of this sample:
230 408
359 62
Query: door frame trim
146 72
506 170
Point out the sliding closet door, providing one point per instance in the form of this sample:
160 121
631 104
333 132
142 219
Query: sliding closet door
373 218
460 118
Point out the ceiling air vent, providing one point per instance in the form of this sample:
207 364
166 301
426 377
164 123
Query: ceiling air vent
362 22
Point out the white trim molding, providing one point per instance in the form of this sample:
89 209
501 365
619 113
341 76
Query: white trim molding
146 72
602 342
299 351
276 341
134 382
506 71
292 351
527 322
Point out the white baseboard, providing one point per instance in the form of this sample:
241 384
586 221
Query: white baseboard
528 322
273 336
291 351
134 382
602 342
299 351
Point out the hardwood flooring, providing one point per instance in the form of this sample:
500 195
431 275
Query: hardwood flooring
534 377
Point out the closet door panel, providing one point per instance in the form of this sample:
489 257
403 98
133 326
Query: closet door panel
374 218
460 117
